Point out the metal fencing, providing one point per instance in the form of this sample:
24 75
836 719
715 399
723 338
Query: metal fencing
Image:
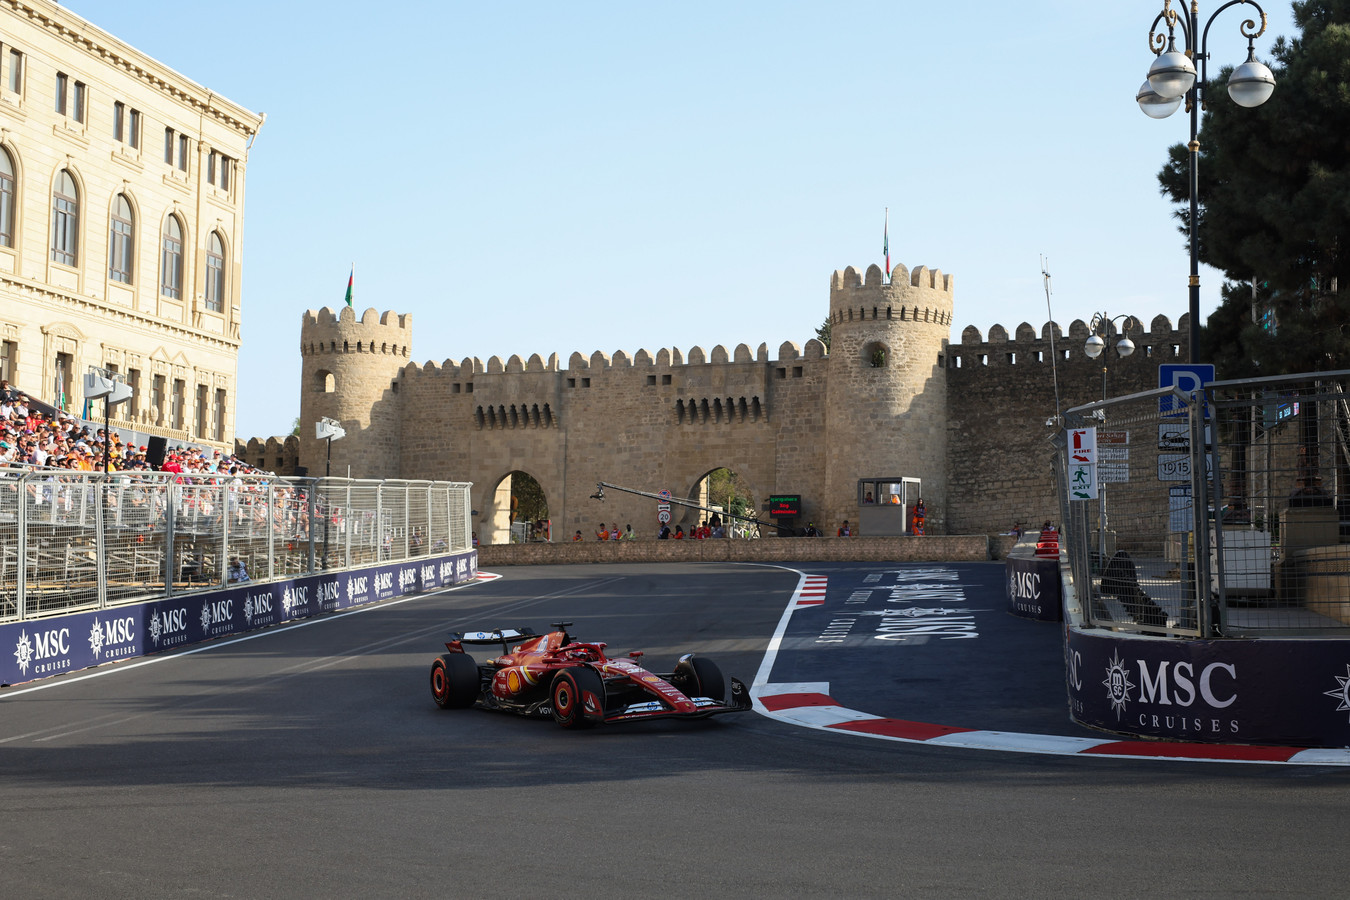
1218 513
72 541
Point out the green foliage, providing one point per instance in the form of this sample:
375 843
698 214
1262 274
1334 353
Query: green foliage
726 491
528 502
823 332
1274 184
295 427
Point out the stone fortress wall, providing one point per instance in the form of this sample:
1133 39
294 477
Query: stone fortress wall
969 418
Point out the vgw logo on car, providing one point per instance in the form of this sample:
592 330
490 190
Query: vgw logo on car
47 651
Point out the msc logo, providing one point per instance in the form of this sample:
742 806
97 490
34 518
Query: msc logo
217 616
1025 586
293 598
357 587
406 577
428 574
44 651
169 626
259 607
110 633
447 571
384 581
328 593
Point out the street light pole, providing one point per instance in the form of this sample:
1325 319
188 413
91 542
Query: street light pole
1094 347
1172 77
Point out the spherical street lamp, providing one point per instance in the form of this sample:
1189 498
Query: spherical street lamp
1172 77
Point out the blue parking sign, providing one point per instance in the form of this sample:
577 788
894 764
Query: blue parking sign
1185 377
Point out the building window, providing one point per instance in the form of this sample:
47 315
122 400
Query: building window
211 168
121 242
168 145
171 261
134 129
62 89
219 414
15 71
203 399
134 379
65 220
9 355
61 390
179 399
78 104
157 399
225 165
182 152
215 273
119 121
6 199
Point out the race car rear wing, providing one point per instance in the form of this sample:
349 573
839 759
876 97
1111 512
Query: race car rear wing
499 636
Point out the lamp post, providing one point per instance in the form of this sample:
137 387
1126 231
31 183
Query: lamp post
328 430
1172 77
102 384
1095 346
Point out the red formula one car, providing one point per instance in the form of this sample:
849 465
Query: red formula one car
575 682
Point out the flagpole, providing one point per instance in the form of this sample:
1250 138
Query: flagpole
886 243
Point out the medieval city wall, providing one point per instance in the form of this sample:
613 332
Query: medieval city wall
1002 392
892 398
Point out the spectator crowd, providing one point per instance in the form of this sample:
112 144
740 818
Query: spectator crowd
33 438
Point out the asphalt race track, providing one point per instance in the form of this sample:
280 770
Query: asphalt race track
310 761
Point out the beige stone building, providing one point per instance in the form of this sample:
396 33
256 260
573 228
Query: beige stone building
121 225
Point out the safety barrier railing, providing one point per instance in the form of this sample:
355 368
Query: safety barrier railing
72 541
1224 513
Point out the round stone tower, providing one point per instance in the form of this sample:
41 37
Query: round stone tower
349 372
886 400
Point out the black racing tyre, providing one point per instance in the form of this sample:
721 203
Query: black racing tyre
568 696
698 676
454 681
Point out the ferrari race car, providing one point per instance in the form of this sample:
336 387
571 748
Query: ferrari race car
575 682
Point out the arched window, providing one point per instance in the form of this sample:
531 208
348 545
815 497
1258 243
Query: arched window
121 241
171 261
215 273
6 198
65 220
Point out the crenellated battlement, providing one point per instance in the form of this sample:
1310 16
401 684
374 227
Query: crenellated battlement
325 331
921 296
1159 331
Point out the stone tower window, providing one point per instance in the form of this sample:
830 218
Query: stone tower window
876 354
324 382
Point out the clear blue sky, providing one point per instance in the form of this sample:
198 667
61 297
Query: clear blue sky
531 177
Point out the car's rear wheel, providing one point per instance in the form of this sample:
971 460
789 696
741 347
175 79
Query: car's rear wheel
454 681
578 697
698 676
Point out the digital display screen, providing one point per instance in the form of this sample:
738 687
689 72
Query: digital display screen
785 505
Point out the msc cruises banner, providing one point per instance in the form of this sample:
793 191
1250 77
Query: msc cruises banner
1268 691
43 647
1034 590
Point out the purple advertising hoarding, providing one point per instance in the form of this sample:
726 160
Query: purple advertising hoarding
1267 691
1034 588
44 647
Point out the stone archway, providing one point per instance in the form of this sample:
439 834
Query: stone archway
517 511
723 490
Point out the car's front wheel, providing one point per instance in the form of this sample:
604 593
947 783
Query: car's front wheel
454 681
578 697
698 676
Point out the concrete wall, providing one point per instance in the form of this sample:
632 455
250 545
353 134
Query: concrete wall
959 548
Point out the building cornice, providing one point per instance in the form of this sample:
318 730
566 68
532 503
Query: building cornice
122 316
91 39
